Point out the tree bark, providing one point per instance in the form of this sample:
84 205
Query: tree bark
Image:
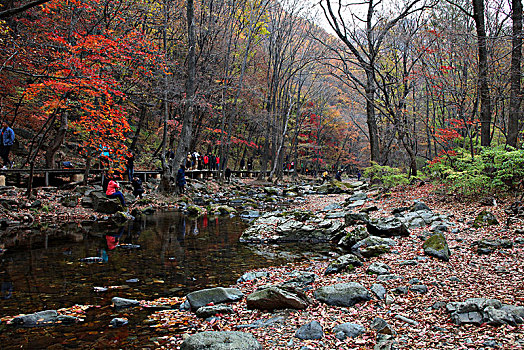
56 143
515 98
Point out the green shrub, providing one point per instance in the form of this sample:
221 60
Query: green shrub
385 175
494 169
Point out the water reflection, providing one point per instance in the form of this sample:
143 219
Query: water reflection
165 254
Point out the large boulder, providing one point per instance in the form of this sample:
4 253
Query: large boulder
437 246
353 237
334 186
294 226
351 218
481 310
216 295
277 297
485 218
373 246
221 341
387 227
105 205
342 294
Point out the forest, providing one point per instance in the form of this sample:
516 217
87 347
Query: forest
326 85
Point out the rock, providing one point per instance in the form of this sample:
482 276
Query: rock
194 210
294 226
123 302
350 330
118 322
252 276
418 206
40 318
342 294
406 320
332 207
373 246
70 201
378 268
216 295
485 218
275 297
310 331
270 190
386 342
488 246
343 263
437 246
86 202
388 277
419 288
102 204
222 209
379 290
208 311
353 237
210 340
387 227
400 290
300 279
382 327
480 310
334 186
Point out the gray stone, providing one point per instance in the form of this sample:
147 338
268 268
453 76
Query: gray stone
373 246
386 342
406 320
418 206
378 268
216 295
342 294
350 330
300 279
437 246
252 276
387 227
102 204
379 290
208 311
382 327
118 322
345 262
485 218
123 302
274 297
356 218
310 331
388 277
221 341
40 318
263 323
419 288
353 237
480 310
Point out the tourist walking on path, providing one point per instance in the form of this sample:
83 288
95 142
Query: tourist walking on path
181 179
113 191
7 138
130 166
359 175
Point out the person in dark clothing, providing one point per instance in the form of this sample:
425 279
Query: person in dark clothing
181 179
138 190
250 164
130 166
359 175
338 175
242 164
7 138
228 174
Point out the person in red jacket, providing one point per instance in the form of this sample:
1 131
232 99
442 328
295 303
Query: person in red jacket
113 191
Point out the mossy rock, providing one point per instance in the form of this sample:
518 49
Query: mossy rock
375 250
437 246
485 218
194 210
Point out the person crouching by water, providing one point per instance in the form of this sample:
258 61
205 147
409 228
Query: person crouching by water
138 191
181 179
113 190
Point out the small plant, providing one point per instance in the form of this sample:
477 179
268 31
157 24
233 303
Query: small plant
385 175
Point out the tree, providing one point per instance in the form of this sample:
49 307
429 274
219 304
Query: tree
516 74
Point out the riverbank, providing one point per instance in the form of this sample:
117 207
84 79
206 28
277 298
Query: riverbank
419 289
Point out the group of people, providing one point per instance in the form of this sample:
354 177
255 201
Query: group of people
113 189
7 139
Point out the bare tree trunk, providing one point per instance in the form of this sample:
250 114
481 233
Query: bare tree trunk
516 58
485 99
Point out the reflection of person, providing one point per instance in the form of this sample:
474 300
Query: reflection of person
228 174
7 138
181 179
114 239
113 191
138 191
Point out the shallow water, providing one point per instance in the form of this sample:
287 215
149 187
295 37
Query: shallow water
167 254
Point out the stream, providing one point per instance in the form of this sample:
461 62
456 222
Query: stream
166 254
